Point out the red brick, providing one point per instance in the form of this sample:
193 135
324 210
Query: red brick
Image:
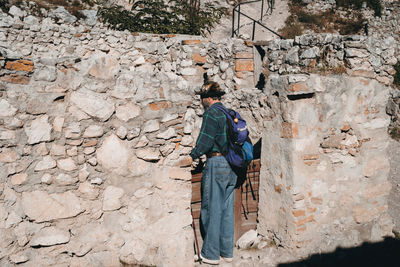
345 128
305 220
298 87
160 105
289 130
244 55
191 42
170 35
310 156
20 65
362 73
316 200
378 190
311 210
199 59
301 229
248 43
14 78
278 188
239 75
298 213
244 65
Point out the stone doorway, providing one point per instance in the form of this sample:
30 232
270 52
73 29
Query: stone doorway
246 201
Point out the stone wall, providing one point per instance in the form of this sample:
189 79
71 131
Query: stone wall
92 122
325 177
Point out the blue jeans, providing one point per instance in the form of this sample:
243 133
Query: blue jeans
216 217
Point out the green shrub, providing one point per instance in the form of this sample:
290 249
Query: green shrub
394 132
396 80
157 16
4 5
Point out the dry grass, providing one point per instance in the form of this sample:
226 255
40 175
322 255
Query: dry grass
328 21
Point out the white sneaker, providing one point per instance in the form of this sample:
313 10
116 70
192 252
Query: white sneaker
227 259
212 262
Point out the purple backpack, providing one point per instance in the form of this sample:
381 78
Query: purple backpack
240 149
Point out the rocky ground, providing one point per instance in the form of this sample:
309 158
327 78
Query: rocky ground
273 20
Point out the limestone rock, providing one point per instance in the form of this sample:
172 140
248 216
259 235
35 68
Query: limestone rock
42 207
310 53
104 68
88 190
91 17
167 149
151 126
112 197
247 240
168 134
45 164
177 173
66 179
46 178
96 180
133 133
46 74
50 236
113 154
187 140
73 131
138 167
57 150
148 154
16 12
83 173
58 124
39 105
143 141
62 15
127 111
18 258
19 178
292 57
31 20
8 156
39 131
6 109
93 131
93 104
13 219
122 132
67 164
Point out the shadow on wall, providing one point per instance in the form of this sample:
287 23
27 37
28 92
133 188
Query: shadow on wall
382 254
257 149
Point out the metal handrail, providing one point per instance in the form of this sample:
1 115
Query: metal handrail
237 9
